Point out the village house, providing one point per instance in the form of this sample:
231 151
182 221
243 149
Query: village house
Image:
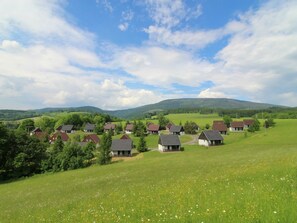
210 138
109 126
247 123
92 138
177 130
168 126
125 137
153 129
89 127
129 128
54 137
121 147
220 126
67 129
169 143
36 131
236 126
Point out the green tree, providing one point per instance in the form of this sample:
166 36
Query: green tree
104 156
119 128
139 129
255 126
227 120
141 147
269 122
46 124
163 121
89 150
27 125
72 157
190 127
54 161
207 126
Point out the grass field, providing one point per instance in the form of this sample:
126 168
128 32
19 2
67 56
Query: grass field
251 178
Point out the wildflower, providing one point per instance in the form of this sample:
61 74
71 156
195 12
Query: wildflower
274 212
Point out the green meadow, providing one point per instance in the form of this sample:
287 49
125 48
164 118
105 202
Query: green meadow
251 178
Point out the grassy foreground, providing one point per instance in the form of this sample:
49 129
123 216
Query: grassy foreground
249 179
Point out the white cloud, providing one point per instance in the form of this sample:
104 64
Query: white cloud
208 93
105 4
39 19
124 26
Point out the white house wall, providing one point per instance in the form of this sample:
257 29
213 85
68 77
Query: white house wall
203 142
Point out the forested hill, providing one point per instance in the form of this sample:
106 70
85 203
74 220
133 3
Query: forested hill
138 112
191 103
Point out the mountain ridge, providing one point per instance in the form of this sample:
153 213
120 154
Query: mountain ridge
140 111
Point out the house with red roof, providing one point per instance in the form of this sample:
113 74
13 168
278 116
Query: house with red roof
236 126
54 137
153 129
91 138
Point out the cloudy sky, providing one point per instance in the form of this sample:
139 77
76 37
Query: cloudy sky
117 54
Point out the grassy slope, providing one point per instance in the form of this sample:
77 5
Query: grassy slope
250 179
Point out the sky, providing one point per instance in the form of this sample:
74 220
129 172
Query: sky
117 54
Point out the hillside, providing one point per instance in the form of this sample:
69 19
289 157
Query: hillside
252 178
189 103
138 112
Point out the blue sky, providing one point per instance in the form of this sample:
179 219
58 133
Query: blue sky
117 54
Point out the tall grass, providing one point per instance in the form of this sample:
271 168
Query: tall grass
251 178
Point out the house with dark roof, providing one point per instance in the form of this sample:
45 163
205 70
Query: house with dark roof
236 126
89 127
247 123
91 138
153 129
177 130
125 137
121 147
169 143
220 126
54 137
129 128
109 126
67 129
210 138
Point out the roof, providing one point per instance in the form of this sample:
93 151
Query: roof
109 126
211 135
63 135
176 128
129 127
218 122
237 124
125 137
219 126
121 145
89 126
169 140
36 130
93 137
248 121
67 127
153 127
169 125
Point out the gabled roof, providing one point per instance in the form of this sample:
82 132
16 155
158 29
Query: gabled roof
67 127
169 140
36 130
93 137
219 126
248 121
89 127
176 128
169 125
121 145
218 122
125 137
211 135
153 127
109 126
237 124
63 135
129 127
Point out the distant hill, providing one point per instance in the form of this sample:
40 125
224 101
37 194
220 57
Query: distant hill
190 103
138 112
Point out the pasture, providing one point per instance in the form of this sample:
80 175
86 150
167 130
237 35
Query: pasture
252 178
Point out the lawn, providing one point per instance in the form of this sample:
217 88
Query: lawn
252 178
